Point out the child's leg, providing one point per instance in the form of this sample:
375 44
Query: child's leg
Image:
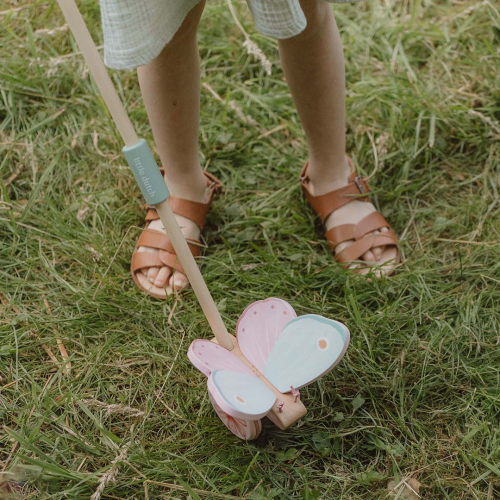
170 87
313 63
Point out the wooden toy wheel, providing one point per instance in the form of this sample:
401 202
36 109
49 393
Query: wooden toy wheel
244 429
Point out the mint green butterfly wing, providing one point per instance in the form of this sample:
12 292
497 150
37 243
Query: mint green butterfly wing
307 348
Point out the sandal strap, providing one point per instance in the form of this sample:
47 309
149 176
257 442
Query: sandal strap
389 238
192 210
151 214
144 260
159 241
346 232
359 232
325 204
355 250
170 259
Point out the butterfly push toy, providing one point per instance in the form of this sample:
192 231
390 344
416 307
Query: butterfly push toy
275 354
260 371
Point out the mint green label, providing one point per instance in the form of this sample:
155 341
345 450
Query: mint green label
146 172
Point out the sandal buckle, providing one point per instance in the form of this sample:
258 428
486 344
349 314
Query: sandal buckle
358 184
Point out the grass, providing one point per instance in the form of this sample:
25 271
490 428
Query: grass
418 392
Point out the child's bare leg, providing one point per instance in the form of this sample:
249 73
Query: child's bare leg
170 86
313 63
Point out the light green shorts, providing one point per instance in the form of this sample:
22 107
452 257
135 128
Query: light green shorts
135 31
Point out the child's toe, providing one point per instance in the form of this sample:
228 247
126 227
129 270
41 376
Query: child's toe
368 256
178 281
162 276
152 273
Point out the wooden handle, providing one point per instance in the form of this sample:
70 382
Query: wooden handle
126 129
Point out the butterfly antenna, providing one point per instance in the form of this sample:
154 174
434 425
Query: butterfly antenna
295 394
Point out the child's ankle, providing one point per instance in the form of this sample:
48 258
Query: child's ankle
328 176
191 186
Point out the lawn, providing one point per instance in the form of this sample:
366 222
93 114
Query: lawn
416 400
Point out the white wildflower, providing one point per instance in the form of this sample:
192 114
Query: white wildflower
254 50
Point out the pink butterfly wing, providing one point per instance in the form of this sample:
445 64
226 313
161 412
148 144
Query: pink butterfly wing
259 326
208 357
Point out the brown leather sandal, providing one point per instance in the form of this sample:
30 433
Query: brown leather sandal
325 204
166 256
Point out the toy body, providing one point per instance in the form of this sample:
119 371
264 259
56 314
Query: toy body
275 353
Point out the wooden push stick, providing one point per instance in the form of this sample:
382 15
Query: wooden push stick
126 129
